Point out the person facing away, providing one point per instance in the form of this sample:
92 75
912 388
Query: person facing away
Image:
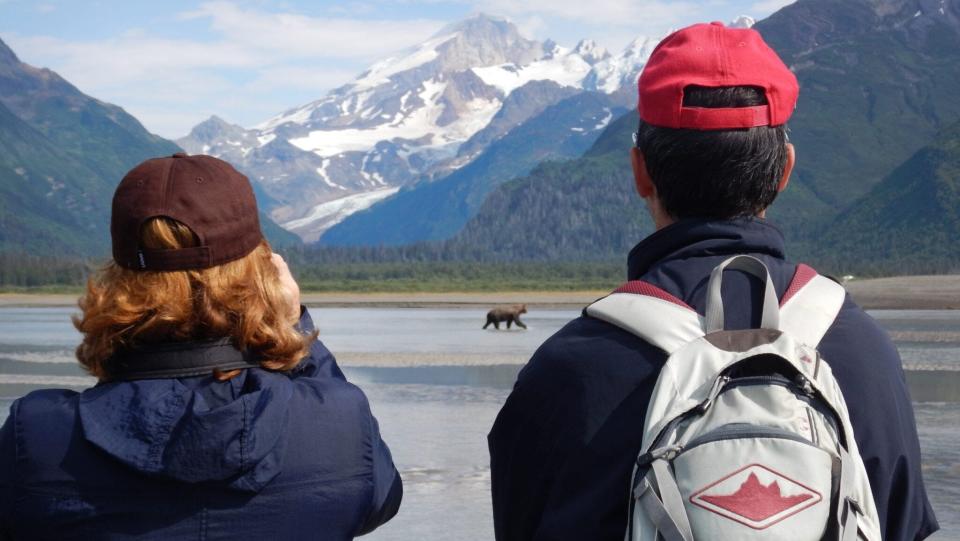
711 155
218 414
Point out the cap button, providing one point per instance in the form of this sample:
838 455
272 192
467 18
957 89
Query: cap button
718 23
179 155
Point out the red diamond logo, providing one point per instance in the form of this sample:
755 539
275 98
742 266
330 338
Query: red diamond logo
756 496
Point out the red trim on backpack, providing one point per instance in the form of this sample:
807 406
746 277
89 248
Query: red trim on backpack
801 277
639 287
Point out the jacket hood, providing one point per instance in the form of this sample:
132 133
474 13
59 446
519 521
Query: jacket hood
193 429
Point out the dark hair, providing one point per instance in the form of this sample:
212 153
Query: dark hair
715 174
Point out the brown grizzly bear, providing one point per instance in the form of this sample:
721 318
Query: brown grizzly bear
509 313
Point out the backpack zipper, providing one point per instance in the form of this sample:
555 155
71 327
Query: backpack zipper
737 431
802 391
758 380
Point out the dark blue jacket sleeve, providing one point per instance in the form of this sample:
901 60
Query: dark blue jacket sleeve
387 485
8 459
563 445
525 452
881 413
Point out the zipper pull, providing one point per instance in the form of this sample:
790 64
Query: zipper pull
718 386
805 385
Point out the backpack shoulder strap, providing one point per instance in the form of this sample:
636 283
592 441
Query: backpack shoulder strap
810 305
650 313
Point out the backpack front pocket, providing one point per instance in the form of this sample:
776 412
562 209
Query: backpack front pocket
743 481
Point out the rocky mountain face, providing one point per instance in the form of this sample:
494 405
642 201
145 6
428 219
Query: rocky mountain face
439 209
62 153
409 119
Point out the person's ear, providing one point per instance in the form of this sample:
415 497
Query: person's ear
641 177
787 168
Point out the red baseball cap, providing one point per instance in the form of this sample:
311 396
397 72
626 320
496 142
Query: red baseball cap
712 55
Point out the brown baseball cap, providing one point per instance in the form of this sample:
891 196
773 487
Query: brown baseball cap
202 192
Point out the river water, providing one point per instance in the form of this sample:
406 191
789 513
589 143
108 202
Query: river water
435 418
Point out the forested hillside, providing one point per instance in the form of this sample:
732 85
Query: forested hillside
878 81
583 209
61 153
910 221
45 202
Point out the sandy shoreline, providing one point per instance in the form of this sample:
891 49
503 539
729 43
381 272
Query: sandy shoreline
908 292
544 300
902 292
405 360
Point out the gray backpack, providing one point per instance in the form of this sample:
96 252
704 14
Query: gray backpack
747 435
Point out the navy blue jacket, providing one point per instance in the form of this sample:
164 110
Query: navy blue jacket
563 446
264 455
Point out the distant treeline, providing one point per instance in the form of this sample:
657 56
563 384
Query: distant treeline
31 271
458 276
437 267
917 263
367 269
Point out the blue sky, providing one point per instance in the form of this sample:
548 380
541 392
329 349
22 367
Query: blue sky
174 63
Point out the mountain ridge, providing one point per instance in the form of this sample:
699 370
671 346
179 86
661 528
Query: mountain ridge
62 153
411 118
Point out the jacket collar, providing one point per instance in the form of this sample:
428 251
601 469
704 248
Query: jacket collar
180 360
700 237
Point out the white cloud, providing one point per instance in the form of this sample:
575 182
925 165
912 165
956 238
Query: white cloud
616 12
245 67
642 16
298 78
531 25
301 36
246 62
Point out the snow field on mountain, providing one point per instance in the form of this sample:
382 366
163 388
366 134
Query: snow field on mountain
420 123
381 72
335 211
562 67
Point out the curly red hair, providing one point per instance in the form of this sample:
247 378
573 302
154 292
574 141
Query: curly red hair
241 299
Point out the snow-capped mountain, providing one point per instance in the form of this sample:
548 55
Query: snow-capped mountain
743 21
616 72
406 118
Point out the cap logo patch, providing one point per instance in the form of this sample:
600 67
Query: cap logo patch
756 496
